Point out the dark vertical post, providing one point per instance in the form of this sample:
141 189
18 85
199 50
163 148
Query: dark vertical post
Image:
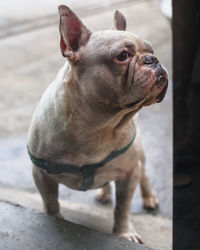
186 33
186 123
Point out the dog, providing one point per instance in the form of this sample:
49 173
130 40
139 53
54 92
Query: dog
84 132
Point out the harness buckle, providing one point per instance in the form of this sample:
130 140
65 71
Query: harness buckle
88 173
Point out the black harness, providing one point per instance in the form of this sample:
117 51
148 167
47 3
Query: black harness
88 171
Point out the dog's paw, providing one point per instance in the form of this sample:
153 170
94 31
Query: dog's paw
151 202
103 198
132 236
104 195
127 231
59 216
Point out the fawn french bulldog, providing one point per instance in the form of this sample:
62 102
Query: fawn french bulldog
84 131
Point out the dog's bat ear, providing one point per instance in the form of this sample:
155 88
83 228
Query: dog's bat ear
120 21
73 33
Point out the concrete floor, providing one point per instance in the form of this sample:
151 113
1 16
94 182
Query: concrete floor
30 229
29 62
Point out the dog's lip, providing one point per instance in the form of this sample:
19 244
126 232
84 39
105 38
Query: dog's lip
160 85
158 98
162 93
132 104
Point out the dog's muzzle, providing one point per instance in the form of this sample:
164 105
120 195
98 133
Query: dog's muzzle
161 82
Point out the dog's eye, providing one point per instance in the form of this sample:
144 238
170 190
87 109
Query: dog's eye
122 56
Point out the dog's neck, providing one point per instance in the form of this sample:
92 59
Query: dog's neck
91 119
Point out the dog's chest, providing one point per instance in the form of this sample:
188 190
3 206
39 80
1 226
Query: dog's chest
115 170
100 178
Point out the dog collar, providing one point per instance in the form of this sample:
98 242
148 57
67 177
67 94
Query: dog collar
88 171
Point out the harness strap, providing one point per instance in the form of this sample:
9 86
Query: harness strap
88 171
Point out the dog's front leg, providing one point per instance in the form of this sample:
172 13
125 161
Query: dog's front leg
122 216
48 189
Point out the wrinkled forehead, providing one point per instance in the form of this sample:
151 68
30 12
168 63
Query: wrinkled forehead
113 40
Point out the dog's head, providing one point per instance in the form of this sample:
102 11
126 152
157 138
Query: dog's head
114 68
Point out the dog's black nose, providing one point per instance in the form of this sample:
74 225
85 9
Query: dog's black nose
150 59
161 79
161 75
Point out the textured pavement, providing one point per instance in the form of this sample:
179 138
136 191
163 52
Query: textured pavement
155 230
30 229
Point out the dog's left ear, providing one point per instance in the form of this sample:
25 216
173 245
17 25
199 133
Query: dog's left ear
120 21
73 33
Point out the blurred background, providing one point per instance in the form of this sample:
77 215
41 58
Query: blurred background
30 59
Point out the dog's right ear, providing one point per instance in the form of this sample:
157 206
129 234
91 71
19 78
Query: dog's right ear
73 33
120 21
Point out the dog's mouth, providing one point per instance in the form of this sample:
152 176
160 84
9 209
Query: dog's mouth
149 99
156 94
132 104
162 93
